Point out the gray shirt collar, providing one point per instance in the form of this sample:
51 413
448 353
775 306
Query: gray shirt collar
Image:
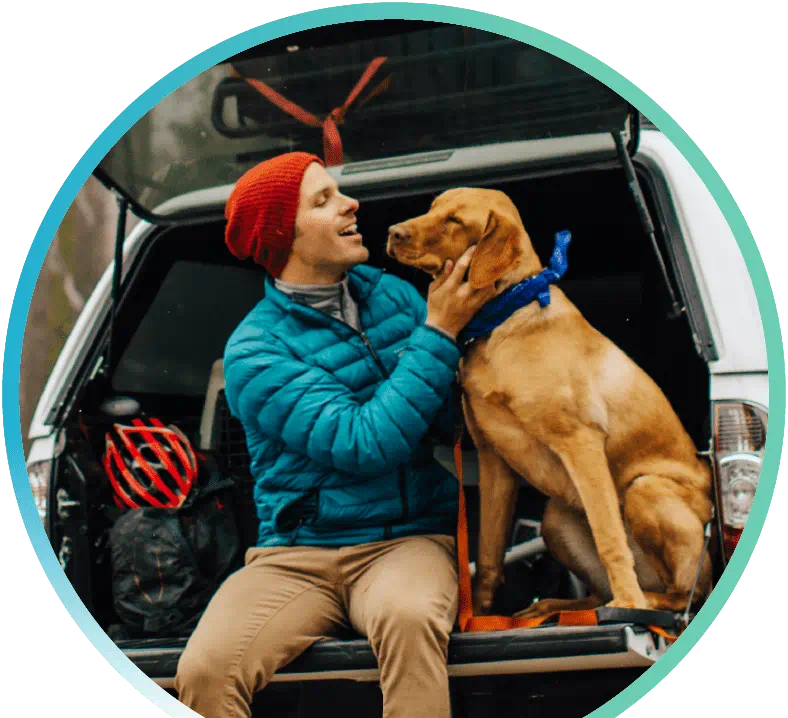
332 299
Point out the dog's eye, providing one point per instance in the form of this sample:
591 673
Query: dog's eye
451 219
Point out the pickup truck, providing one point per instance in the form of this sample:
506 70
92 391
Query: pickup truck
653 265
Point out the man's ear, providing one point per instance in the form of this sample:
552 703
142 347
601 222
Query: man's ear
497 250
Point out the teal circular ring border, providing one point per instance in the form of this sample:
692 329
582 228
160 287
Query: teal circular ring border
391 11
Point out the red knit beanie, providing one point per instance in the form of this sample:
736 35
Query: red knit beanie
262 208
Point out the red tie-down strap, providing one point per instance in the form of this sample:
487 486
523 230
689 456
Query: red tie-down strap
332 142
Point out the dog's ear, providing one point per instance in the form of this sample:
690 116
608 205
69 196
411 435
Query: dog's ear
497 250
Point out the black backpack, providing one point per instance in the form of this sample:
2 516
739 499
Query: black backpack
168 563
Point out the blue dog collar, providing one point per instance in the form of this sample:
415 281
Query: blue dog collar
499 309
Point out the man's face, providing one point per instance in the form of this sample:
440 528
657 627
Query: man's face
326 236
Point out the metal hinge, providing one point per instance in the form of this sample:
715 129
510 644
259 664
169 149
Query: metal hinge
64 504
64 556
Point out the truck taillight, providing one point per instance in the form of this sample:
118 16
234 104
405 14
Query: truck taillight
739 441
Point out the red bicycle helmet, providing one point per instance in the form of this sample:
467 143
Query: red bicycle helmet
149 463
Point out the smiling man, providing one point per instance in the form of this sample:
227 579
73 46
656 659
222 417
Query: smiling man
336 375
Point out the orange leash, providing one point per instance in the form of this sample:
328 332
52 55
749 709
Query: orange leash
468 622
662 632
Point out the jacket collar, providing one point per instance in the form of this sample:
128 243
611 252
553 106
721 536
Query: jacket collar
362 280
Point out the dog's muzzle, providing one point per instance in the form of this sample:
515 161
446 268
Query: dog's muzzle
399 235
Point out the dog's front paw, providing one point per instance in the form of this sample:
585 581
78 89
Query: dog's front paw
630 602
482 604
548 606
487 582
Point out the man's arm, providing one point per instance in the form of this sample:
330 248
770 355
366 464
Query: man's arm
443 426
313 413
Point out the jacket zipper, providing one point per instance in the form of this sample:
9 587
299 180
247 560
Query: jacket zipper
295 533
403 489
360 333
374 354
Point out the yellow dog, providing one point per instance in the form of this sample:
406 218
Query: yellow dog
550 399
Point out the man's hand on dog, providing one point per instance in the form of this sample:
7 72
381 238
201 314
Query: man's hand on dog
451 301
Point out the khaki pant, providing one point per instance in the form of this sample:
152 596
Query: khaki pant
400 594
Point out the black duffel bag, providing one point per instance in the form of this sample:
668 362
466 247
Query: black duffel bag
168 563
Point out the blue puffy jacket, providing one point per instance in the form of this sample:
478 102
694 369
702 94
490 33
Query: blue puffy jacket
336 419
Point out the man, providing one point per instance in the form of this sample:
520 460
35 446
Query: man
336 376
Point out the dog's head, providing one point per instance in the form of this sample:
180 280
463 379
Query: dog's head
457 219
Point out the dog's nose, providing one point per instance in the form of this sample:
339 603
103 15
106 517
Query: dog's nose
398 233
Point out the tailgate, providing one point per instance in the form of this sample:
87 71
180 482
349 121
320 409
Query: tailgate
539 650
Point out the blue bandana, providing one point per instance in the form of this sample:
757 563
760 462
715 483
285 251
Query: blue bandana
499 309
